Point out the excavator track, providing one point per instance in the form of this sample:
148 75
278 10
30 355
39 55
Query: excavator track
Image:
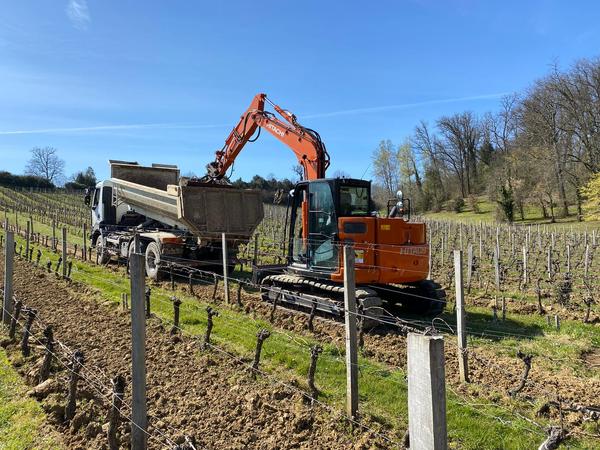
327 298
425 297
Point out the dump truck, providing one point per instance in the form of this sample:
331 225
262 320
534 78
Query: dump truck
178 221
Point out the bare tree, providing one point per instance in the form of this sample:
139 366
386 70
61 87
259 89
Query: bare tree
541 117
434 191
45 163
461 135
503 126
407 165
298 170
385 166
578 97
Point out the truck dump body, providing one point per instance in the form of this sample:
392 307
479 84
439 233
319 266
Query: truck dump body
203 210
220 209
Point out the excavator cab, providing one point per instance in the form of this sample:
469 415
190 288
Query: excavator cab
316 207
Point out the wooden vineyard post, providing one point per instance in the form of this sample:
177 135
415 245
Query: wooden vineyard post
461 334
53 235
84 247
497 270
586 263
255 258
64 252
549 263
9 261
350 325
27 237
429 261
225 279
469 266
525 279
426 392
138 356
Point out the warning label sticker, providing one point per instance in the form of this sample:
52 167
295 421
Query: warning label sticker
359 256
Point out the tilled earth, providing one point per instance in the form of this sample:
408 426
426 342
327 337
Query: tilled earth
206 395
492 376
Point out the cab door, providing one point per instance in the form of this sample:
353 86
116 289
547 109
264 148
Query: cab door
322 227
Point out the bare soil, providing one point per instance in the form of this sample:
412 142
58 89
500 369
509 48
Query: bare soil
201 394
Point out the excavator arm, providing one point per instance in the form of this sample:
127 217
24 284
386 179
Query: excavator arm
304 142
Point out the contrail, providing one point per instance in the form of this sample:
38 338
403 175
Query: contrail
110 128
374 109
345 112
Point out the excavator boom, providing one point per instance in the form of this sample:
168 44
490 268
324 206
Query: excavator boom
304 142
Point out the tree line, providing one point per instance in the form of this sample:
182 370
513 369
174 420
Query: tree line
539 149
46 170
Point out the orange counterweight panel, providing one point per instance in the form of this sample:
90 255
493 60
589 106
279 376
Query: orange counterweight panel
402 251
387 250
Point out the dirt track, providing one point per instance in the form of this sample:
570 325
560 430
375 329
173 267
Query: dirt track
204 395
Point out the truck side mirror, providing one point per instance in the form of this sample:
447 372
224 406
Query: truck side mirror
88 197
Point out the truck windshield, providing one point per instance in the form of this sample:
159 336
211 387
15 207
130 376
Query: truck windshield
354 200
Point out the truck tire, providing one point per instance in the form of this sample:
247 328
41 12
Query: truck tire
153 261
103 255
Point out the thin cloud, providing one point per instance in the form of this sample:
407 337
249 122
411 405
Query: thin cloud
138 126
375 109
165 126
78 13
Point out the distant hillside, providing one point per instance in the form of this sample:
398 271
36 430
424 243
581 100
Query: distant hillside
486 212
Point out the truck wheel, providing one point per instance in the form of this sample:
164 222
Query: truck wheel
104 256
153 261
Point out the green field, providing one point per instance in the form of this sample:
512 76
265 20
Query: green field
533 215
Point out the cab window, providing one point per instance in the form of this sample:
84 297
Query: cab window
96 197
354 201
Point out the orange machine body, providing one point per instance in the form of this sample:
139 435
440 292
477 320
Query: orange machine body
387 250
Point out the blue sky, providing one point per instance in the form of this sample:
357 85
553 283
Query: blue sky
164 81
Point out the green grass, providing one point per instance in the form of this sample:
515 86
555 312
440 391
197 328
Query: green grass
533 215
21 418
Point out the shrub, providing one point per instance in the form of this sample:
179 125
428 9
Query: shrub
474 204
506 202
591 195
458 204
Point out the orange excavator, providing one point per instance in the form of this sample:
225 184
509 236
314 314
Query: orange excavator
323 214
